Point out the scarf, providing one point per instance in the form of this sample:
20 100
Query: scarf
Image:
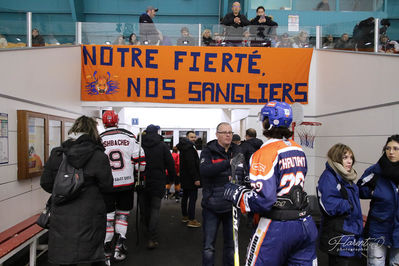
339 169
75 136
389 169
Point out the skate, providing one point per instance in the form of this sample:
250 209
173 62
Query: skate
108 253
120 249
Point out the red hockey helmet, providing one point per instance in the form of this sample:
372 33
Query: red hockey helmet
110 118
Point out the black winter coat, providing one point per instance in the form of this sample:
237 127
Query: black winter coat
234 31
158 158
77 228
189 164
265 28
215 171
250 146
228 20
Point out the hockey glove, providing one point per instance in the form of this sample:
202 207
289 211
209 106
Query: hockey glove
234 193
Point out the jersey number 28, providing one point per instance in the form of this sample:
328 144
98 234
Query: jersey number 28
289 180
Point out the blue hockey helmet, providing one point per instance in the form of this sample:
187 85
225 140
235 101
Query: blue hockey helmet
279 114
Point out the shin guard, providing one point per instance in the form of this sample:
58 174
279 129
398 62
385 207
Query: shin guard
121 222
110 227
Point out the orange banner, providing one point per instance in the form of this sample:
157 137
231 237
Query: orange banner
194 75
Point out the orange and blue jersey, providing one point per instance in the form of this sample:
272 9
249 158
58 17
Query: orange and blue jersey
275 168
277 172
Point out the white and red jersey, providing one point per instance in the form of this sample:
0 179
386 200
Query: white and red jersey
124 153
274 169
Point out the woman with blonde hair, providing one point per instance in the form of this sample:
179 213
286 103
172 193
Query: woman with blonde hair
207 37
342 220
77 227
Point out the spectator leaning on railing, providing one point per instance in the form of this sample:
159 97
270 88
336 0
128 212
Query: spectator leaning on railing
37 39
133 39
329 43
119 40
185 38
235 22
344 43
302 40
266 23
285 41
207 38
148 32
3 42
387 46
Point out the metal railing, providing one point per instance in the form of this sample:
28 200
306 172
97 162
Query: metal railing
196 35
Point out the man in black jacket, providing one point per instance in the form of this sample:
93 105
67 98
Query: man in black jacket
215 171
158 158
266 25
250 145
148 32
190 177
235 22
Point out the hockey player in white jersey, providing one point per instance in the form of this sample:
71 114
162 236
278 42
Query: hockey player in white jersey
125 156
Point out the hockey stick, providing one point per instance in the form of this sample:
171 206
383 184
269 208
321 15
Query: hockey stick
137 190
235 162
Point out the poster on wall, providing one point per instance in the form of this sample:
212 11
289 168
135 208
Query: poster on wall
194 75
3 138
293 23
36 144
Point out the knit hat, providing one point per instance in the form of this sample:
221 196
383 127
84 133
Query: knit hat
152 128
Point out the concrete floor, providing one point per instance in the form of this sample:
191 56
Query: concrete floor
179 245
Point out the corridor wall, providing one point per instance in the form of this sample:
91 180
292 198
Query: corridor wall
39 80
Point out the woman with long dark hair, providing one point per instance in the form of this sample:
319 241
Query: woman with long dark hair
380 183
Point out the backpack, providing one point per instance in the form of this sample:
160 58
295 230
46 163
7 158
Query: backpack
68 182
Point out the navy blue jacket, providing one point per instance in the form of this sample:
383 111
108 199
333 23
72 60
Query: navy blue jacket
383 216
342 220
215 171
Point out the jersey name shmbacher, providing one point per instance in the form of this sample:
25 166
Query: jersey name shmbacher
291 162
117 142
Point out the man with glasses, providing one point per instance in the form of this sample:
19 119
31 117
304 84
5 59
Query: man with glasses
215 171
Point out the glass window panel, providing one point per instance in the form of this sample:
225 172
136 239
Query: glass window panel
36 144
12 30
272 4
67 127
53 29
357 5
54 134
318 5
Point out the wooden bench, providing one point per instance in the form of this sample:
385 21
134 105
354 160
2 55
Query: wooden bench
20 236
